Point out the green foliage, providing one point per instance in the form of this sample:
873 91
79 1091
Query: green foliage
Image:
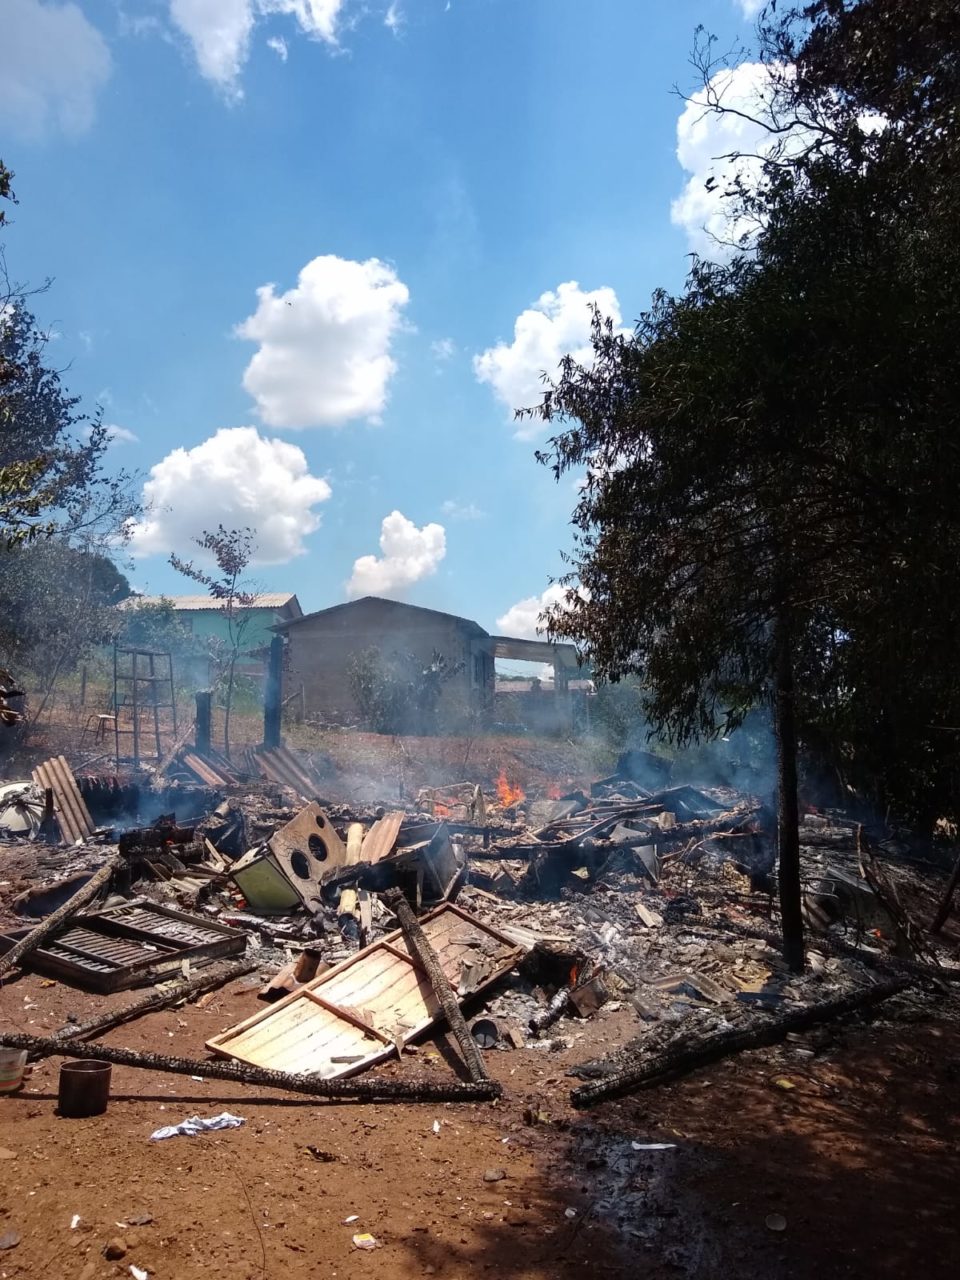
156 624
57 604
617 713
774 451
232 550
53 476
6 190
401 693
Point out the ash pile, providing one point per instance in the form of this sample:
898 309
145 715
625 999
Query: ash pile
523 922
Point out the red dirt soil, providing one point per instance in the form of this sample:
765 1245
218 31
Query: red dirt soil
859 1157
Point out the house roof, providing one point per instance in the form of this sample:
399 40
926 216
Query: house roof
395 605
268 600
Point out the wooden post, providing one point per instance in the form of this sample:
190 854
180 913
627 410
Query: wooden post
48 823
427 957
204 720
272 694
136 714
83 685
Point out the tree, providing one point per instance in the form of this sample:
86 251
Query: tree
400 693
232 551
156 624
771 460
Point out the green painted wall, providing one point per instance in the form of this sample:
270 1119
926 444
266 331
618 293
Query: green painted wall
211 622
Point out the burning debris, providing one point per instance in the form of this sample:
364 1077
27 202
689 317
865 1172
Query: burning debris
544 915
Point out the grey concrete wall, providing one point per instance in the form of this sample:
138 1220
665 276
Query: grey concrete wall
319 652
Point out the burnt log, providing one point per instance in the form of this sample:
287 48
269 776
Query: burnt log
188 987
241 1073
424 953
679 1059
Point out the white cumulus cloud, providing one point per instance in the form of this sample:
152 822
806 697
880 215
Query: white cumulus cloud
408 554
53 63
220 30
750 8
237 478
522 620
558 324
706 141
324 355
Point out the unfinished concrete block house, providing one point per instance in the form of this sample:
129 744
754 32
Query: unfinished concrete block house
320 646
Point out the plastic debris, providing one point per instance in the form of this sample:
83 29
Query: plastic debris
653 1146
191 1127
138 1273
366 1241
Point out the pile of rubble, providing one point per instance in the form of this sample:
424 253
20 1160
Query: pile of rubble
369 926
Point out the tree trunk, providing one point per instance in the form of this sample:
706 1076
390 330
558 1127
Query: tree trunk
227 705
788 816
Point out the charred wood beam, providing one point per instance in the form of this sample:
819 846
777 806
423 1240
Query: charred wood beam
679 1060
184 990
666 840
241 1073
156 837
427 958
97 882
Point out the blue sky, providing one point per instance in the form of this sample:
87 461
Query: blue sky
426 196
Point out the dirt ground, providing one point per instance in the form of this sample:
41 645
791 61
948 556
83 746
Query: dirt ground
855 1148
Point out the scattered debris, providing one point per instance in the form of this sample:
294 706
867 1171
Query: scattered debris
567 908
190 1127
366 1008
365 1241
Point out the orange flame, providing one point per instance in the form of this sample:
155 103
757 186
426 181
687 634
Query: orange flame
507 793
441 810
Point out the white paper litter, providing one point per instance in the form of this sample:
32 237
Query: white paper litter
193 1125
653 1146
138 1273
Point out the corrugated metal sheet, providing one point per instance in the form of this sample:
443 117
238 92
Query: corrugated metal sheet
72 812
279 764
211 769
380 839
